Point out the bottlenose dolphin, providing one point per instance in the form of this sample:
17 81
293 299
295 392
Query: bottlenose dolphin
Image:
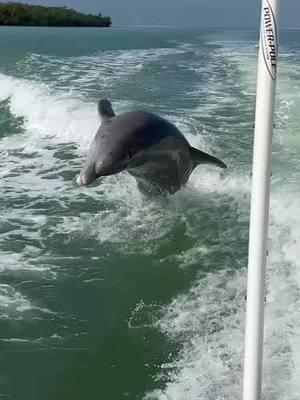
147 146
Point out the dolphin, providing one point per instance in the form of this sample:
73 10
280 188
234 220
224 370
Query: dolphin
147 146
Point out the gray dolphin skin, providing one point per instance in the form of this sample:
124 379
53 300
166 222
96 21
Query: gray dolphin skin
147 146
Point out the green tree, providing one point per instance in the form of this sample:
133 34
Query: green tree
30 15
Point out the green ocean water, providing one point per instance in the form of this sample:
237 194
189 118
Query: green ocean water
103 295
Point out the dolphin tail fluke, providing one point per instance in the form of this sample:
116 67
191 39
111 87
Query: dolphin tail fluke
199 157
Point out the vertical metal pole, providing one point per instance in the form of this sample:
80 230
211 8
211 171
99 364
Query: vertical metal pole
259 216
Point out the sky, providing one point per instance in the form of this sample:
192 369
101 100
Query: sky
202 13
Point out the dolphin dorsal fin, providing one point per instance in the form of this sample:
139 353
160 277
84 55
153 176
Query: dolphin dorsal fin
105 109
199 157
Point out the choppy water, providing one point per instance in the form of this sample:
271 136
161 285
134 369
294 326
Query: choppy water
104 296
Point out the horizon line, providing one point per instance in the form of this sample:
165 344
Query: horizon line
195 27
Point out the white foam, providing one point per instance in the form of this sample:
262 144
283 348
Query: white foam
288 93
208 320
49 114
207 323
103 70
12 303
52 117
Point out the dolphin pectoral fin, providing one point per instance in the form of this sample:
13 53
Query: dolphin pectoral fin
199 157
105 109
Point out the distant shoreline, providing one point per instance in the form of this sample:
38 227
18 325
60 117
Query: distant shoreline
52 26
26 15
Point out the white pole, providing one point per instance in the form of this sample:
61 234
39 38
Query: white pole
259 217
